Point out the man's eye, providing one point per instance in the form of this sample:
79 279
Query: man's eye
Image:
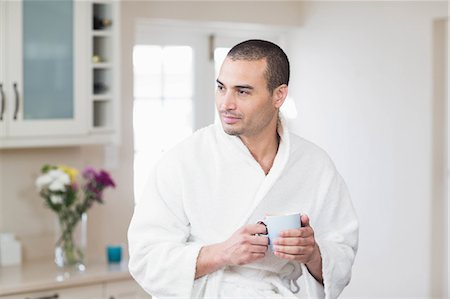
243 92
220 87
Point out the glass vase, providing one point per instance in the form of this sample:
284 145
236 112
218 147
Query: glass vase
71 240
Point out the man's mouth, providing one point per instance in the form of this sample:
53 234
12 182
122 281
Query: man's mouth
230 119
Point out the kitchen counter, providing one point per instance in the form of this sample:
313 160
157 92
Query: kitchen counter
45 275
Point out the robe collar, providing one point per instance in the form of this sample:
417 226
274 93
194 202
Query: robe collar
235 144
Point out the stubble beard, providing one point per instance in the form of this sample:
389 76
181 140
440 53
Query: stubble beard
232 131
249 129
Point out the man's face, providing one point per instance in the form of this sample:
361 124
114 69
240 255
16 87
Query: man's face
245 105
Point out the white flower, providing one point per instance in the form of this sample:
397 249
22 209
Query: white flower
56 199
55 180
59 175
56 185
43 181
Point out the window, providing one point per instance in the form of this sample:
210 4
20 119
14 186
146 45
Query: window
162 112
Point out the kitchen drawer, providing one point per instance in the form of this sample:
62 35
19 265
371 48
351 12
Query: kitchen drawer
125 289
83 292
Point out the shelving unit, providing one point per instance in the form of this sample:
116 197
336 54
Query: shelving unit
104 66
76 113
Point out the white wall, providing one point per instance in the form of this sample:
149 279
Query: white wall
362 80
367 91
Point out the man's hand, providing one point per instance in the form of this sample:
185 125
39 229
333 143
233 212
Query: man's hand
300 245
243 247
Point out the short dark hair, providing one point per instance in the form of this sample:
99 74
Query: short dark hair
277 72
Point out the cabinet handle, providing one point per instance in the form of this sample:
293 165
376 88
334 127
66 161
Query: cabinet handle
16 110
2 94
54 296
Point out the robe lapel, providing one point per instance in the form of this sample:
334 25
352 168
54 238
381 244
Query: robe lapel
237 146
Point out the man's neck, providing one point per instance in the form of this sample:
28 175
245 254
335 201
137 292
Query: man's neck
263 147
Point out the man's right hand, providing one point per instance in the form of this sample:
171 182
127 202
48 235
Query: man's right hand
243 247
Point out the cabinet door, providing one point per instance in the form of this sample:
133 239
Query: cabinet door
46 61
126 289
2 68
85 292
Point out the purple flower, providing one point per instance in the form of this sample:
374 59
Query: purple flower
96 182
104 179
89 173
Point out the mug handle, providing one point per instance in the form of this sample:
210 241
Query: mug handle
260 222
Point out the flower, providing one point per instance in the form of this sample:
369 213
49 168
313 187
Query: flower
59 187
89 173
104 179
56 199
72 172
54 180
97 181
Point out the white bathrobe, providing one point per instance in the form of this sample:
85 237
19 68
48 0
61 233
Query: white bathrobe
209 186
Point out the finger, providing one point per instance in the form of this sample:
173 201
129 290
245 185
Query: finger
253 229
294 241
259 240
295 250
304 219
258 249
298 232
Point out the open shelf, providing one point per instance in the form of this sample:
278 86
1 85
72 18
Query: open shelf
104 65
102 18
102 81
102 48
101 115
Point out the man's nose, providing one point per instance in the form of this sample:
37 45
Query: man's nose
228 101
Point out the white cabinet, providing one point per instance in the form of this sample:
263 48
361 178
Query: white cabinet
122 289
2 67
125 289
46 74
43 80
82 292
42 279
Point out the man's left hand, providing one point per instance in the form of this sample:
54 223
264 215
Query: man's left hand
300 245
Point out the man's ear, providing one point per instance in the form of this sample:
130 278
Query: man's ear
279 95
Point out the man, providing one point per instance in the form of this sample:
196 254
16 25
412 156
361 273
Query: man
195 233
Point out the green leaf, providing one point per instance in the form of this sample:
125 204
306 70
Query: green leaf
46 168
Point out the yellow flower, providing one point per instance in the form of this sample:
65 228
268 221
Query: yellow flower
71 172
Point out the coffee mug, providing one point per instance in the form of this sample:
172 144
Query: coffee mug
278 223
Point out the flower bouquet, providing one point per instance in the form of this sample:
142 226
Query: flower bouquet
59 187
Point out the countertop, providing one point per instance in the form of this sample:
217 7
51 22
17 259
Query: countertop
44 275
